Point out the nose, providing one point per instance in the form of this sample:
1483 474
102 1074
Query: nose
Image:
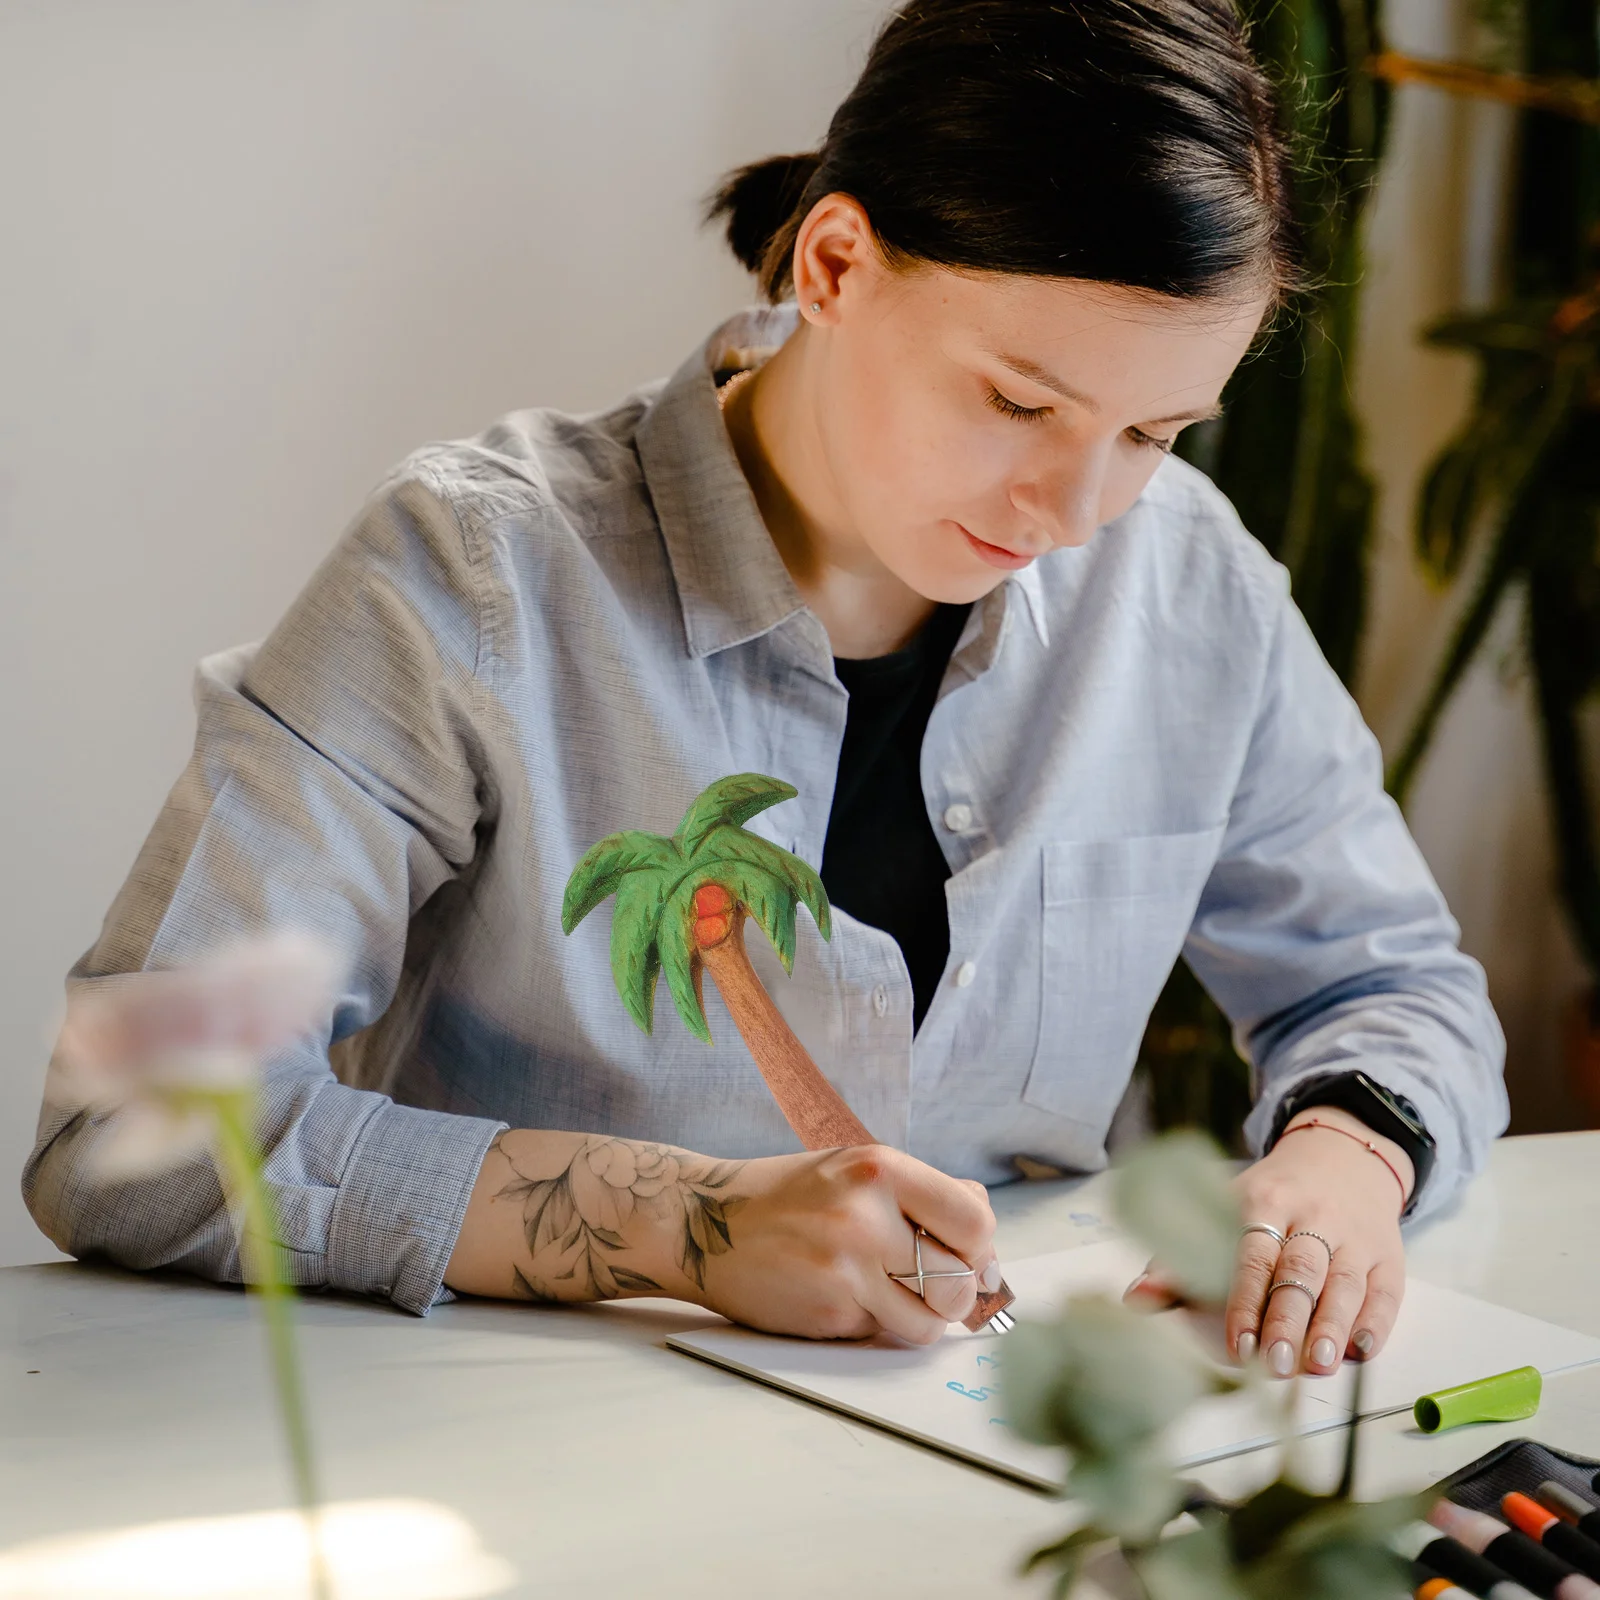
1063 502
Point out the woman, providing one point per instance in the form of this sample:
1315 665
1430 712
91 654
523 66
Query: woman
914 543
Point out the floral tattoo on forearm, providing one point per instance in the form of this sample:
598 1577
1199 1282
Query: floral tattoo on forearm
573 1221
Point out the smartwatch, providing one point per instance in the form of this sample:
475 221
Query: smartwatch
1384 1111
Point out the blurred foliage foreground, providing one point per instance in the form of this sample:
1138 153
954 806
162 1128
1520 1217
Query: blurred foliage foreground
1107 1383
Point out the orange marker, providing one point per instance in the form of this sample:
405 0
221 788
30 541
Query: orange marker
1441 1589
1575 1548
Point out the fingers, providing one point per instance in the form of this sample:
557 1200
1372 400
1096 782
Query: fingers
898 1309
1151 1291
1302 1262
1254 1264
1385 1289
1328 1338
956 1212
951 1297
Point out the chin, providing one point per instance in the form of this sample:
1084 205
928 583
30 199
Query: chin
949 588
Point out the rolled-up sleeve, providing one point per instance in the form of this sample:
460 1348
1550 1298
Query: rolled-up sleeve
339 778
1321 931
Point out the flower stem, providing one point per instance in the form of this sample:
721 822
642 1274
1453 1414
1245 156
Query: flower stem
239 1163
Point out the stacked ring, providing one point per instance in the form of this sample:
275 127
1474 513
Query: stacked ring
1306 1233
1263 1227
1294 1283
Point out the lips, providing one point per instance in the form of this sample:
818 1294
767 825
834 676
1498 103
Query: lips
995 555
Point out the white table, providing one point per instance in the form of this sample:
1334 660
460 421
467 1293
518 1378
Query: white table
597 1461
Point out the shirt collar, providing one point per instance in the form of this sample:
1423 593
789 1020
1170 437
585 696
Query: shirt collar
732 583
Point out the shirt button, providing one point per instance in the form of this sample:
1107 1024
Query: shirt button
965 973
958 818
880 1000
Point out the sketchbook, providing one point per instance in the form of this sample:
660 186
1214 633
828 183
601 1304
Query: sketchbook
947 1395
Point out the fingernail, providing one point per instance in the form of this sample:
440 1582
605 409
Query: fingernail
1280 1358
1364 1342
1246 1347
991 1277
1323 1352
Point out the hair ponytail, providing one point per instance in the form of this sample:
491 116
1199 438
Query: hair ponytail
757 203
1132 142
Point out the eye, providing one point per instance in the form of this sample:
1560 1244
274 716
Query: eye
1147 441
1010 408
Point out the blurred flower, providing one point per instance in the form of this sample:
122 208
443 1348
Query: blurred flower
160 1048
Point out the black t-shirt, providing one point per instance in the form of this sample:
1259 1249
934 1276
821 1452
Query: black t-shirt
881 861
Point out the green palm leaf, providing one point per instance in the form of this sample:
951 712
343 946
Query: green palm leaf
733 800
767 898
635 954
676 944
734 844
606 863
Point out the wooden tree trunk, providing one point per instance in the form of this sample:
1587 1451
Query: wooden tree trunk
810 1104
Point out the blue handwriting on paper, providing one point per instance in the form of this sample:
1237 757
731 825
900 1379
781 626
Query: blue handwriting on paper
971 1394
955 1386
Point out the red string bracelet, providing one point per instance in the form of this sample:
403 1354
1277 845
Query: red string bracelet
1313 1122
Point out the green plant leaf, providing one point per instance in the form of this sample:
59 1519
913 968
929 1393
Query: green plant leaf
732 800
1131 1491
1192 1566
605 863
1106 1382
1262 1521
731 843
1099 1376
676 946
1174 1194
1336 1549
1067 1555
635 954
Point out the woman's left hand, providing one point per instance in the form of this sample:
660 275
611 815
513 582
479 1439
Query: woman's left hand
1338 1207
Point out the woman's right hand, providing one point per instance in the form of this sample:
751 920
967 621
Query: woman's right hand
816 1236
799 1244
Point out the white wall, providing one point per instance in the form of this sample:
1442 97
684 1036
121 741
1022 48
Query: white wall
254 253
251 255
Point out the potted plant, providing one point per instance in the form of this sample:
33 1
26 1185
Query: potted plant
1514 498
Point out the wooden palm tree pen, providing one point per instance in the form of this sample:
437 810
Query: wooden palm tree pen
681 908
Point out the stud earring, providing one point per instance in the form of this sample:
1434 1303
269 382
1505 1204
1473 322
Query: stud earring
816 307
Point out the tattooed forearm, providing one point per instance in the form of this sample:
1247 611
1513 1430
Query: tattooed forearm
577 1220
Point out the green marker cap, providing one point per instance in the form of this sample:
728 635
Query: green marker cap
1506 1397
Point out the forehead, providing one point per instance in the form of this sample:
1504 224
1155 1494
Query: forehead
1090 333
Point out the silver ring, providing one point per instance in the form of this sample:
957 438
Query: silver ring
1294 1283
1263 1227
1306 1233
921 1278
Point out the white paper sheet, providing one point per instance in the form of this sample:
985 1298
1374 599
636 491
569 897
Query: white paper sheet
947 1395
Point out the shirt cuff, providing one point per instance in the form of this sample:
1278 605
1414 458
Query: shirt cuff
401 1202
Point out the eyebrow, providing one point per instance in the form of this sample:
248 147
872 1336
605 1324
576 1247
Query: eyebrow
1034 373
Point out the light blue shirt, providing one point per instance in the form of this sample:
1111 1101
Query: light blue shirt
571 625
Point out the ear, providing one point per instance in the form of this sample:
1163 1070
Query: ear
837 261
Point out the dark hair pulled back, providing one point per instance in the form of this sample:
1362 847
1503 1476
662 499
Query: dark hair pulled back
1131 142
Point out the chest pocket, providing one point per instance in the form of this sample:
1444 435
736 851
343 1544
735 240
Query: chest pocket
1116 913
